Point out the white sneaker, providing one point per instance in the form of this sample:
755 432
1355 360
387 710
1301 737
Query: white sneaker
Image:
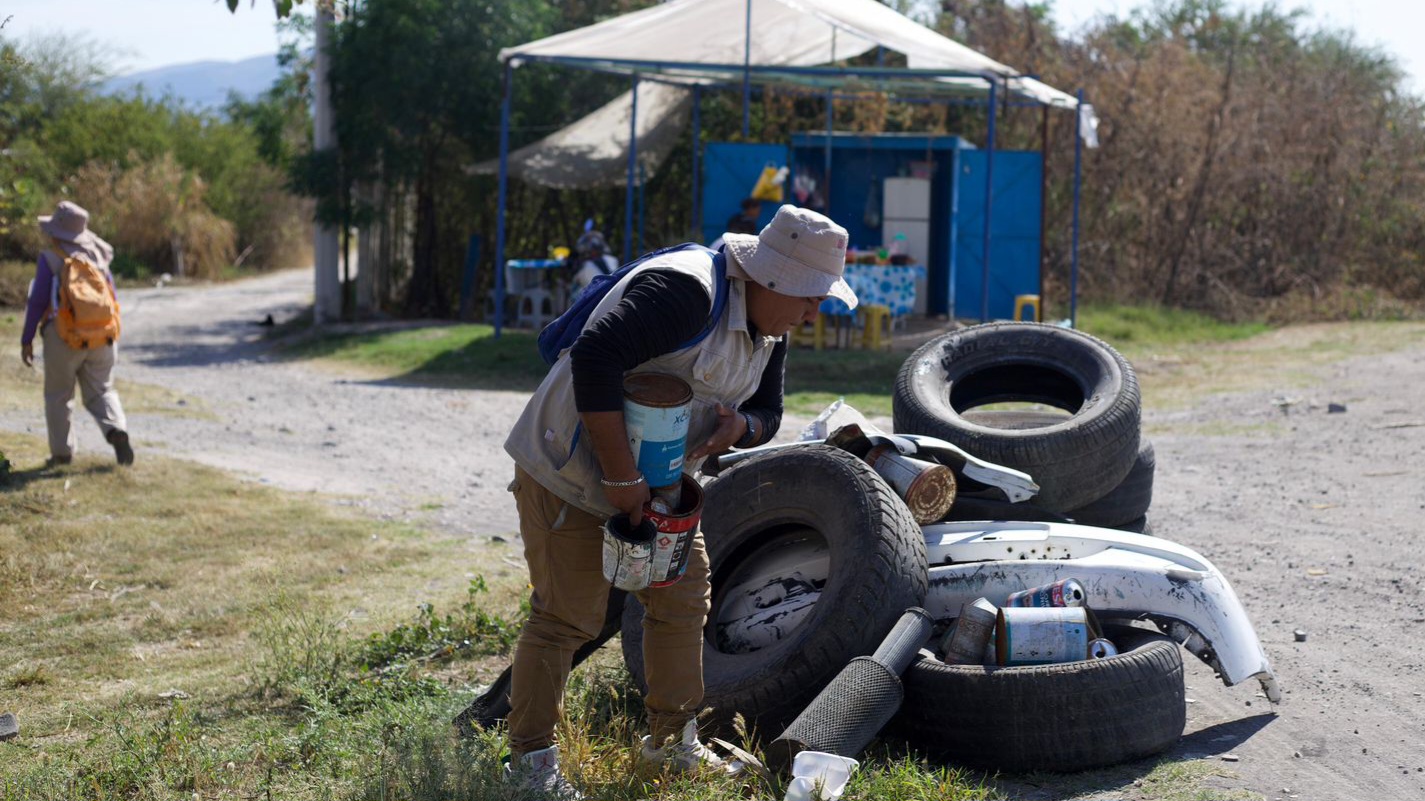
685 754
537 776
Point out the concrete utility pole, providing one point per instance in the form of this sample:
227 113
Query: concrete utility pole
326 250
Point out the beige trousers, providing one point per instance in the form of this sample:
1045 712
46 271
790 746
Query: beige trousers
93 369
564 549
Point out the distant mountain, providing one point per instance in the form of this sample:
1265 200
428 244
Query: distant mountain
202 84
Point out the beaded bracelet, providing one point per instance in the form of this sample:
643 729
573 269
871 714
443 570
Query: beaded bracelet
632 483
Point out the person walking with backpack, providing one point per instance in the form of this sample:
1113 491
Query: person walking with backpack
718 322
73 306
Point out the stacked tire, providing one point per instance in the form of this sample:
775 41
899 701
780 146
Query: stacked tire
1065 408
1074 422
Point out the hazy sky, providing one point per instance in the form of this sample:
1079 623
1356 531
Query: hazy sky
152 33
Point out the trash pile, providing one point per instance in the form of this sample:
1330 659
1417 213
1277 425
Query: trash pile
976 583
1038 626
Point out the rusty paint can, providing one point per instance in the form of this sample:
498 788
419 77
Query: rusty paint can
1101 648
656 409
969 635
927 488
1065 592
677 528
1041 636
628 552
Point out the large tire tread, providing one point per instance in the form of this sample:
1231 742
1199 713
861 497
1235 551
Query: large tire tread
878 569
1075 461
1062 718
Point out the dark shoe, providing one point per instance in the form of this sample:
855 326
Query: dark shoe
120 441
58 461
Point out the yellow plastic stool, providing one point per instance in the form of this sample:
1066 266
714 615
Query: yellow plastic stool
875 318
1020 301
815 336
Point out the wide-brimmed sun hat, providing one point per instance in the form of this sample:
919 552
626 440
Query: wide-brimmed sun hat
800 253
69 223
70 226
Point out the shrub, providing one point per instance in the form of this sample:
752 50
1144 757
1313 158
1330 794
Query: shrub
156 211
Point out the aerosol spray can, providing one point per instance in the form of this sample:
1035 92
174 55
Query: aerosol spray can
969 635
1066 592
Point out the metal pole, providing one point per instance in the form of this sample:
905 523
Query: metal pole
505 91
747 72
989 206
632 162
1043 199
697 162
325 247
826 153
642 207
1078 181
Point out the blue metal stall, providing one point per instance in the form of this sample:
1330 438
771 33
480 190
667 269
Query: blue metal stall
954 252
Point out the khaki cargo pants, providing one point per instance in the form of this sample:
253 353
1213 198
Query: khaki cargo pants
93 370
564 549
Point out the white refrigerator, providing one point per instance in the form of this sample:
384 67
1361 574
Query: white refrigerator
905 209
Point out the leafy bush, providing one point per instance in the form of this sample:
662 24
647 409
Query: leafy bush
167 184
156 211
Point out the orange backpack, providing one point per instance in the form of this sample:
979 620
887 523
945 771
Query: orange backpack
87 310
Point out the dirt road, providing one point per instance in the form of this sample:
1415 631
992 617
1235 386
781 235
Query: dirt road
404 452
1313 515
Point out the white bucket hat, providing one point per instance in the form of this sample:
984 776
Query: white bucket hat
70 225
800 253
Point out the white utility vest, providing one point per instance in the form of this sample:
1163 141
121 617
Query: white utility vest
726 367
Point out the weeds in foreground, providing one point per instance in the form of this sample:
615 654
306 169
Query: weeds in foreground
331 715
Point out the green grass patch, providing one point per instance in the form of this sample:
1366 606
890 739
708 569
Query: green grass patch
469 356
866 379
1157 327
455 355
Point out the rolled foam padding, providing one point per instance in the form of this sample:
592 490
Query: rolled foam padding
844 717
900 647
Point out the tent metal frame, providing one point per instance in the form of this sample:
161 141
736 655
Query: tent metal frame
825 77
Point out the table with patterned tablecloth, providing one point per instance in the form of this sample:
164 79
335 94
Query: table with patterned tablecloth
891 286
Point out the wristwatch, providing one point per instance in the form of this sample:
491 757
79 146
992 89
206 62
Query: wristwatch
749 438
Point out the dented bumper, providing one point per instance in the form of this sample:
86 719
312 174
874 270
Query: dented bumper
1126 576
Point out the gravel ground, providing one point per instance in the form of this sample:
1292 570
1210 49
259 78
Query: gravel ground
404 452
1313 515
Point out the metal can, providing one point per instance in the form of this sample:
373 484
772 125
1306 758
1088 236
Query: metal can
1041 636
1065 592
656 409
927 488
1102 649
677 529
628 552
969 635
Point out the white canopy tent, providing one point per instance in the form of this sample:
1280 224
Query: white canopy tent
698 43
694 41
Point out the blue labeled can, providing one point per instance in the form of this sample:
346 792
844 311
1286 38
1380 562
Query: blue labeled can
1042 635
656 408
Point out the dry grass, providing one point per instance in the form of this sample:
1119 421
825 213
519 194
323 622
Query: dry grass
155 212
